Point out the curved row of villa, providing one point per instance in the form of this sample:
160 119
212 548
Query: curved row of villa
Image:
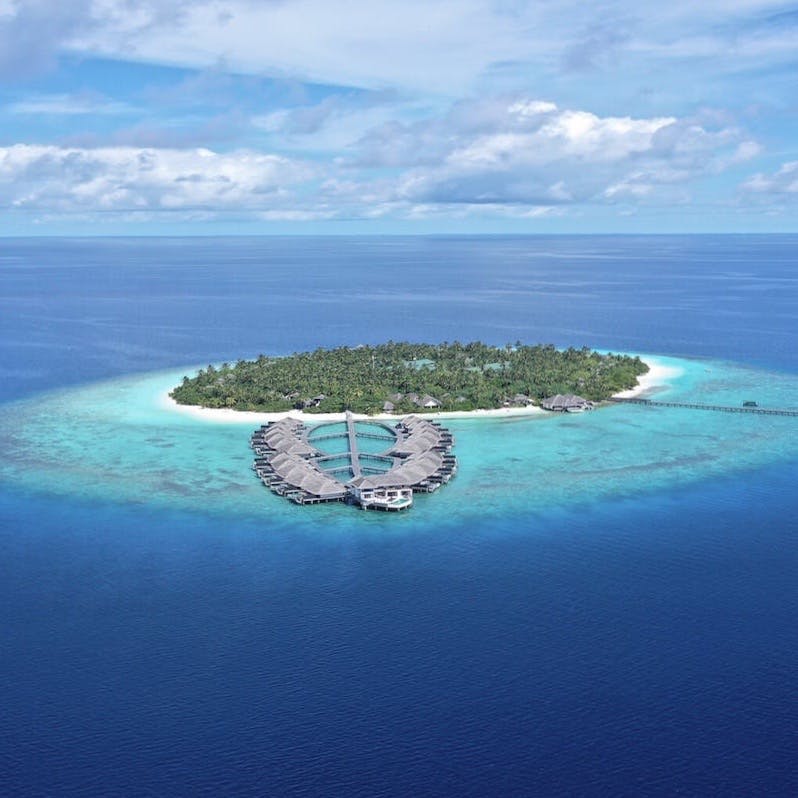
417 458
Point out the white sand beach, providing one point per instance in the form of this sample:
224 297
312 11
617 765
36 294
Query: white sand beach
658 375
226 416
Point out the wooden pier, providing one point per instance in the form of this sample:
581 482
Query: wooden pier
353 452
327 437
377 436
762 411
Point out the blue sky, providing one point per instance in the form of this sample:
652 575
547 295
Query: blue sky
397 116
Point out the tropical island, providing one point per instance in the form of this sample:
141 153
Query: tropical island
405 378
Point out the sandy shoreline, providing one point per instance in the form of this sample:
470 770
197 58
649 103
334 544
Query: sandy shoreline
227 416
658 375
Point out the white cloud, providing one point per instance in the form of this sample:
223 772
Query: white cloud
367 43
413 148
32 32
297 215
332 124
522 155
428 45
634 186
745 151
526 108
782 183
126 178
568 134
527 152
69 105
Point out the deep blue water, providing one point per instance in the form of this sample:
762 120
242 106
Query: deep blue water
641 646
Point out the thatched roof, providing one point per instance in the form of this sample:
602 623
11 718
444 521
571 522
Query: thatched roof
421 435
283 436
303 475
421 446
564 402
428 401
410 472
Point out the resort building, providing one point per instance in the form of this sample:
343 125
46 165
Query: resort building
426 401
567 403
414 456
372 492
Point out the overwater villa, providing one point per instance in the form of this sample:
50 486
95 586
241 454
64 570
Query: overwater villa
567 403
414 456
380 493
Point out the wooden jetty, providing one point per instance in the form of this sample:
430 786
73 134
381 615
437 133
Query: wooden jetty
351 433
761 411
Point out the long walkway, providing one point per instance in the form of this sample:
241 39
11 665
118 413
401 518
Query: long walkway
354 455
762 411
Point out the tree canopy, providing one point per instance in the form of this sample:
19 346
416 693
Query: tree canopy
455 376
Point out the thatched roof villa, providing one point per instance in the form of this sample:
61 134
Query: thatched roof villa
417 458
567 403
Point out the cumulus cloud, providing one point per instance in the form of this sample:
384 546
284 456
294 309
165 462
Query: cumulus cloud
387 131
781 184
522 156
120 179
530 152
431 139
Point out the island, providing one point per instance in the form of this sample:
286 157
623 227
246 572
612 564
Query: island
357 452
402 378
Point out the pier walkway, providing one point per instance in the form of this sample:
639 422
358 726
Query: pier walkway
377 436
353 453
762 411
327 437
387 433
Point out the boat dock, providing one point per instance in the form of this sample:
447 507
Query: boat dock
762 411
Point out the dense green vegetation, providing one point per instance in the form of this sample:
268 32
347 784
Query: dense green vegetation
458 376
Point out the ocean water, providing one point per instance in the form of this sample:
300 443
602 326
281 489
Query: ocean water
596 605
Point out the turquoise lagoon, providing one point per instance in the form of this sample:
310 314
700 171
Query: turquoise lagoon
120 440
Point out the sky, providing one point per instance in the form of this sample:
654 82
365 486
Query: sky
207 117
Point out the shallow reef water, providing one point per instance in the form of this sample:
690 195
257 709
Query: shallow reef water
118 439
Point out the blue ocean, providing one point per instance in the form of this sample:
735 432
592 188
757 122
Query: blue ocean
596 605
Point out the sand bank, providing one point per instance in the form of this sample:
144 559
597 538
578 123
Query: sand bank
658 375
